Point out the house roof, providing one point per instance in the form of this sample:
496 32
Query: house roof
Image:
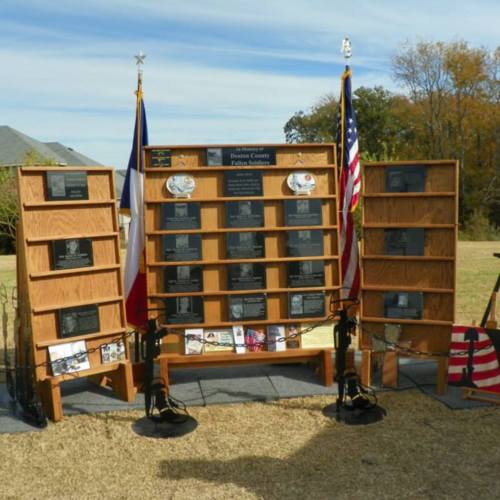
16 146
119 182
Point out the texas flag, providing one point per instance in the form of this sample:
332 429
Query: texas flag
133 202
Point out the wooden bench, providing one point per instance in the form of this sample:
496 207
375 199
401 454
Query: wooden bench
170 361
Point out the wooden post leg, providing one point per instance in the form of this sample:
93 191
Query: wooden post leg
390 373
122 381
442 375
327 367
51 398
164 372
366 367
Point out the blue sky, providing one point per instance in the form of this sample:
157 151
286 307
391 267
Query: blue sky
216 71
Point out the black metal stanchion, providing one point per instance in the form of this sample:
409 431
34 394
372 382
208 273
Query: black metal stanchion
166 416
355 405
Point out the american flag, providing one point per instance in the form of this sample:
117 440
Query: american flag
349 187
477 368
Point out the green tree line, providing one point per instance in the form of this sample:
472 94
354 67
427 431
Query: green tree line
449 109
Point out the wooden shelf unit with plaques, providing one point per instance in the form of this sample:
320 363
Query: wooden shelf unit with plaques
211 196
69 278
408 252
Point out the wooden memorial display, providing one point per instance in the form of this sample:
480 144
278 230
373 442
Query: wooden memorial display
409 248
241 236
69 280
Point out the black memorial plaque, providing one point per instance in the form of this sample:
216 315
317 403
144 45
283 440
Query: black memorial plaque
181 247
247 307
245 213
404 241
67 185
306 304
241 156
304 243
72 253
180 215
160 158
243 183
246 276
184 309
247 245
404 305
410 179
303 212
181 279
306 273
74 321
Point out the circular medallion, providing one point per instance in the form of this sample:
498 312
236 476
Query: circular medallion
180 185
301 182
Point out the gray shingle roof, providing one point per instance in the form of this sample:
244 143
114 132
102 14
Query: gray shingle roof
15 146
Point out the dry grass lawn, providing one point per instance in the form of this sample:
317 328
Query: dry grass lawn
284 449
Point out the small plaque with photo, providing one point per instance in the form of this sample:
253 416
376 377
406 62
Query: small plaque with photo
80 320
405 179
72 253
304 273
181 247
305 243
247 307
245 245
245 213
409 241
184 309
180 215
303 212
306 304
246 276
182 279
66 185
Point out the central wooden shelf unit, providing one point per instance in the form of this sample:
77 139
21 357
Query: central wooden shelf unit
435 210
318 159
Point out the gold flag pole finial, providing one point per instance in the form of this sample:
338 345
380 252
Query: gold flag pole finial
346 49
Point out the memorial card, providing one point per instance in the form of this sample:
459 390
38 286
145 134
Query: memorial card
113 352
181 247
405 179
274 335
305 242
248 245
66 185
181 279
193 341
306 273
303 212
239 183
72 253
221 336
180 215
68 358
409 241
245 213
184 309
246 276
247 307
160 158
320 337
306 304
80 320
405 305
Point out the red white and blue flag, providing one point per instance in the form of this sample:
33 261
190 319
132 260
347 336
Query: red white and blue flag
133 202
474 358
349 187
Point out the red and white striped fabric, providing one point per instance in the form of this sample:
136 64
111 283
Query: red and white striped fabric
349 187
485 367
